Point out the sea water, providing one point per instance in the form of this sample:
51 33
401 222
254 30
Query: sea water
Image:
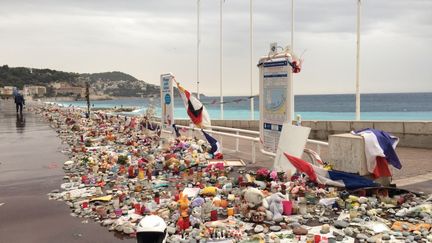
391 106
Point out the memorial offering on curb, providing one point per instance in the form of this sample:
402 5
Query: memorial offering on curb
123 168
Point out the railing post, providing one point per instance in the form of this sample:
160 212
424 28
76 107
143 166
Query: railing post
237 142
253 153
190 130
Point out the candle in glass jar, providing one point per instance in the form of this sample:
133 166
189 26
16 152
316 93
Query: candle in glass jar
213 215
230 212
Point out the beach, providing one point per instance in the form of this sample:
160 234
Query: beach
31 166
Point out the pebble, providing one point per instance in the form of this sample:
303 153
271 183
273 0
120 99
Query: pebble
300 231
410 237
385 237
362 236
340 224
275 228
324 220
258 229
325 229
348 231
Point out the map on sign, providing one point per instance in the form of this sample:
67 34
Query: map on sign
274 83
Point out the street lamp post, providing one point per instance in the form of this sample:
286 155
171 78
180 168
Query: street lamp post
358 62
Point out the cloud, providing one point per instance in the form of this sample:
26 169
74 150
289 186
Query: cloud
146 38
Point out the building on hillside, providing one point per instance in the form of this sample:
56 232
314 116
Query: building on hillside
7 91
34 91
70 91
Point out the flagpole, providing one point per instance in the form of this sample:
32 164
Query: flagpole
221 63
358 62
292 26
251 59
198 44
291 77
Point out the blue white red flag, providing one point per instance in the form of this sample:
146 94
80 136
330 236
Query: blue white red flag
194 108
329 177
215 146
380 151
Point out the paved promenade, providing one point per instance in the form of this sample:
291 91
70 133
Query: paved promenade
30 167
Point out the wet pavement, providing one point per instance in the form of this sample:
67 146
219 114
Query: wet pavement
30 167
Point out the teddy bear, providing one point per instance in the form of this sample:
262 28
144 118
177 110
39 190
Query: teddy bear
275 206
253 197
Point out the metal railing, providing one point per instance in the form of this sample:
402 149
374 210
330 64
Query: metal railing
254 140
235 133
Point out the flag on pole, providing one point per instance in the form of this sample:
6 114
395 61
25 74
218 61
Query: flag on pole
329 177
195 109
215 146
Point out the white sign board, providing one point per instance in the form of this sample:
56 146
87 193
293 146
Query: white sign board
292 141
167 100
274 83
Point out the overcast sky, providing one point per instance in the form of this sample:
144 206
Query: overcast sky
148 37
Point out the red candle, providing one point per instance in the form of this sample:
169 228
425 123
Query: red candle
213 215
143 208
240 179
131 171
137 207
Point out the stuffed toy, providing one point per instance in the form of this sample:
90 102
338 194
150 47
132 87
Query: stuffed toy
275 206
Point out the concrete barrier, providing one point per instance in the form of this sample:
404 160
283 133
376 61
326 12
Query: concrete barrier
415 134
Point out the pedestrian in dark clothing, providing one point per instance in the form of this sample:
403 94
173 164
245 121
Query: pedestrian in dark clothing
19 102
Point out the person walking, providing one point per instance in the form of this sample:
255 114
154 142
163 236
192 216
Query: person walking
19 102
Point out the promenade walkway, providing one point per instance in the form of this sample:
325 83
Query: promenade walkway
30 167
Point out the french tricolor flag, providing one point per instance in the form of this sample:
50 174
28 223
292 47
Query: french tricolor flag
194 108
329 177
380 151
215 146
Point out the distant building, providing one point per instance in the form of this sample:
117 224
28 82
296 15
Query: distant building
7 91
33 90
70 91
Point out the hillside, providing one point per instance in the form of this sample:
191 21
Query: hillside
107 83
19 76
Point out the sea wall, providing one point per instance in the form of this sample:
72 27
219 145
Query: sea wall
415 134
